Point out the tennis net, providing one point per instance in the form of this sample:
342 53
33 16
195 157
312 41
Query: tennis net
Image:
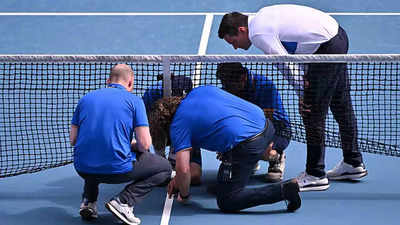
39 93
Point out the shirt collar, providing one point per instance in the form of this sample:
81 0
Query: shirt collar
119 86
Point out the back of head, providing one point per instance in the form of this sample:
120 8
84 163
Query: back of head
121 73
180 84
230 70
160 119
230 23
233 77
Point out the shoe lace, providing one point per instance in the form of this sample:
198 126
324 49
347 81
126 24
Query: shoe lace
301 176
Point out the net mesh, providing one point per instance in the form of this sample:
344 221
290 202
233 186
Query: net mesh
38 95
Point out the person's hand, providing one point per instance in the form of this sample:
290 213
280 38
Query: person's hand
270 154
184 199
134 146
172 189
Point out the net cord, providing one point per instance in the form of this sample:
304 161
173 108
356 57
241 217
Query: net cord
206 58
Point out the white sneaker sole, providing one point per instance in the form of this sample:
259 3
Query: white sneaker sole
322 187
119 215
354 176
255 169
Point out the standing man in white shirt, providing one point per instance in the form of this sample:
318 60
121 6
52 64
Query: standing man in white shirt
295 29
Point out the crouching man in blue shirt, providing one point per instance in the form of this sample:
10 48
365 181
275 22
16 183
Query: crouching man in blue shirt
102 129
213 119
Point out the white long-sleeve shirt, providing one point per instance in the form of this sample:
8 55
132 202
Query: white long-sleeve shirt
291 29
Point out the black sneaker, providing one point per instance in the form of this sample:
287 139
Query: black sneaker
88 210
290 193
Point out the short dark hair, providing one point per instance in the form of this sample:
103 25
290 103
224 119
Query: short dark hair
230 69
181 84
230 23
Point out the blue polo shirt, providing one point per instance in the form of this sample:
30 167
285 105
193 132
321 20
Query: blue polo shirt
213 119
262 92
151 95
106 119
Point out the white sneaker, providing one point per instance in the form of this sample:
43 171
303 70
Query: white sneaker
256 168
124 212
276 169
310 183
88 210
343 171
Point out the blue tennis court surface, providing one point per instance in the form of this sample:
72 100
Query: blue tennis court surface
53 196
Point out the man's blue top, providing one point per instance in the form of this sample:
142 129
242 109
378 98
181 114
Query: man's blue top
106 119
151 95
213 119
262 92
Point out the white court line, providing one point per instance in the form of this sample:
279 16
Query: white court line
206 34
167 210
172 13
167 206
202 47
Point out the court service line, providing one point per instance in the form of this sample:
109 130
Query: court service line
203 47
172 13
205 34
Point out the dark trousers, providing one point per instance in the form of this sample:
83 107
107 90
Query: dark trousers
327 86
232 195
282 137
150 170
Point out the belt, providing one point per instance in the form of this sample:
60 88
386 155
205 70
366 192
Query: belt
255 137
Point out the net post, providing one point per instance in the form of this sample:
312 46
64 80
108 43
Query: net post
167 90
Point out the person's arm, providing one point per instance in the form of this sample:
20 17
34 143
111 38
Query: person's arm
143 139
293 73
181 182
268 112
73 134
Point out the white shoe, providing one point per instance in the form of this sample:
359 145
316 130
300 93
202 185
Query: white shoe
310 183
276 169
256 168
343 171
124 212
88 210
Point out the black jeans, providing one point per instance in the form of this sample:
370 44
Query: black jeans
232 195
150 170
282 137
328 87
